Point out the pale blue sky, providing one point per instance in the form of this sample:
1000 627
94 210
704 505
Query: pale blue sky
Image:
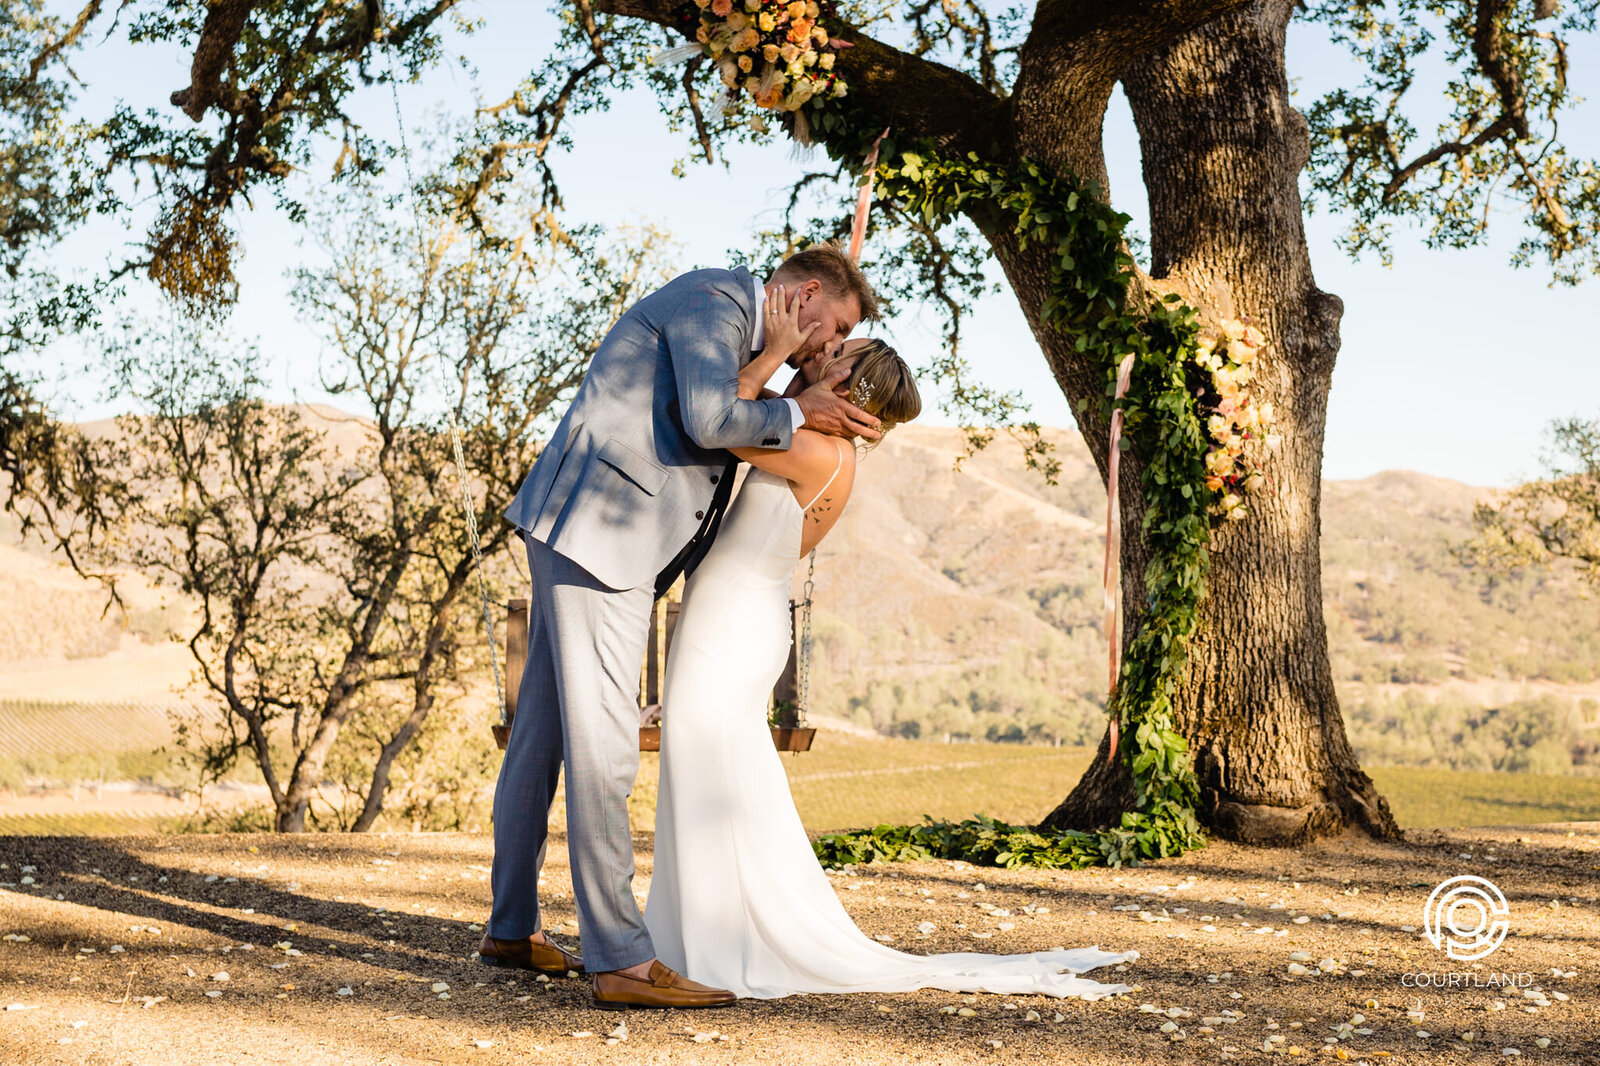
1452 362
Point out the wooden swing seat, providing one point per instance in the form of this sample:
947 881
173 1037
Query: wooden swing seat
784 738
790 736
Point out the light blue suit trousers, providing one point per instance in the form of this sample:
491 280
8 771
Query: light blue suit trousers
579 700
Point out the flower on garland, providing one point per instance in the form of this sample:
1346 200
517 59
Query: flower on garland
775 50
1239 427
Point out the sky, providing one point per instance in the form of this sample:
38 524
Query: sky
1452 363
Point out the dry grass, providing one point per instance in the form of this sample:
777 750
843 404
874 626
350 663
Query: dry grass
849 781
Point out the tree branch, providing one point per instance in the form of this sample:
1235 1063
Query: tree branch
90 12
974 31
1488 44
702 134
1501 135
914 95
1404 174
225 22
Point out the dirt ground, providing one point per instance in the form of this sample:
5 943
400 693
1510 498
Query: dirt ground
359 949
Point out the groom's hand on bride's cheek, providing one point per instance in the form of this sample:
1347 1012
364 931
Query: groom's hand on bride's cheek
828 412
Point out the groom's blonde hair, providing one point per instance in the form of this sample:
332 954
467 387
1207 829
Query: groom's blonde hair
839 274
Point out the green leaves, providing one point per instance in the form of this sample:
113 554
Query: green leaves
985 841
1088 301
1387 149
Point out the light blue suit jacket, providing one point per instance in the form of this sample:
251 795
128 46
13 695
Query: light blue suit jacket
626 478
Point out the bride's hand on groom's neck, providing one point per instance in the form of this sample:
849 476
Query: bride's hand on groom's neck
828 412
784 336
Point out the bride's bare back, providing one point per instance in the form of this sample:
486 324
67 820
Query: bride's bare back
821 471
827 503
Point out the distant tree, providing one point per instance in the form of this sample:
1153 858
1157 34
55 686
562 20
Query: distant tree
1553 521
330 563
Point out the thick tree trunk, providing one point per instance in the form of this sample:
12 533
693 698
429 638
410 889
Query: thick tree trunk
1222 150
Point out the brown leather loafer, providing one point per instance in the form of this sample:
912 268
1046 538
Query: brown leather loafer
525 954
666 988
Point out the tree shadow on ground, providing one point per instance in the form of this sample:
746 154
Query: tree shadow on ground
129 883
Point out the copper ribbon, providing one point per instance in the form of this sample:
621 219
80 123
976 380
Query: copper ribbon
858 226
1112 578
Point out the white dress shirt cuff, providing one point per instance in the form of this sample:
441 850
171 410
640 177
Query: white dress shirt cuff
797 416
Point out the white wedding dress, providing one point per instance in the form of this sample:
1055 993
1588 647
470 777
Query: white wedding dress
738 899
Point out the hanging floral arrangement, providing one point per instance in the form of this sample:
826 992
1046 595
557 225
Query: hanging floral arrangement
777 51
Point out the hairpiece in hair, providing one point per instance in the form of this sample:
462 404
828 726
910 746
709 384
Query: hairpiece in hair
861 393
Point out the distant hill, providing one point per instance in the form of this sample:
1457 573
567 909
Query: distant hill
965 604
968 603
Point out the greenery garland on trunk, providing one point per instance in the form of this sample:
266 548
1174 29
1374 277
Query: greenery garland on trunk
1089 282
780 53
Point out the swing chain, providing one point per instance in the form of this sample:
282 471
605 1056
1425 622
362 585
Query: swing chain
468 510
802 693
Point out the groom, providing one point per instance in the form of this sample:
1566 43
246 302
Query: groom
626 495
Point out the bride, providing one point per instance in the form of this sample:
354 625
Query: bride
737 898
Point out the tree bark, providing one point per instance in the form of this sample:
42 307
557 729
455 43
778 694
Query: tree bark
1222 150
219 36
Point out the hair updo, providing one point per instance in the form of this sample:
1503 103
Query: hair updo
881 384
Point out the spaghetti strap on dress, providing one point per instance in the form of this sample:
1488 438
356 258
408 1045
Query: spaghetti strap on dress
837 466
